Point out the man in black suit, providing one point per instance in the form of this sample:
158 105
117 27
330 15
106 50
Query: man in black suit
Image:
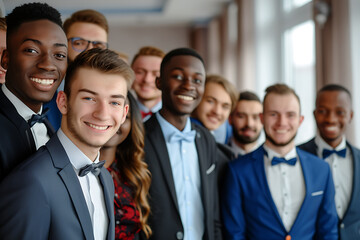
36 61
62 191
181 156
333 113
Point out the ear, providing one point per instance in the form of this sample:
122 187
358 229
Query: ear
125 112
301 119
158 83
5 59
61 102
351 116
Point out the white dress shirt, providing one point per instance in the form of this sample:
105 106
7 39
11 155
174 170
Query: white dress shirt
342 172
238 150
287 186
38 130
90 185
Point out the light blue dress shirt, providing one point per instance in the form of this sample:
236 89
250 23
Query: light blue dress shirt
186 174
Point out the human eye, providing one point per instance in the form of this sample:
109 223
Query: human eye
61 56
341 112
226 106
178 77
321 111
99 44
79 42
88 98
30 50
114 103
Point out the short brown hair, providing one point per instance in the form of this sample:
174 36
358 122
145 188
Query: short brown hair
228 86
87 16
2 24
103 60
281 89
148 51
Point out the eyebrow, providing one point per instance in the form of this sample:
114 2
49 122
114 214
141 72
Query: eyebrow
40 43
181 69
96 94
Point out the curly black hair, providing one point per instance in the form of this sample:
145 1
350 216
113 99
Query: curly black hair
31 12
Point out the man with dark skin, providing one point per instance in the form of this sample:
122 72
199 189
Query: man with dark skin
333 113
36 61
181 156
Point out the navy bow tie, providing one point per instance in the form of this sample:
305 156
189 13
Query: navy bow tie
180 136
277 160
94 168
327 153
38 118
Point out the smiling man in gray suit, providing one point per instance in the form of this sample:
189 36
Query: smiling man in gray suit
62 191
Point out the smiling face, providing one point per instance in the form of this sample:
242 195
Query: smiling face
182 84
214 107
36 61
281 119
147 69
332 114
95 109
245 121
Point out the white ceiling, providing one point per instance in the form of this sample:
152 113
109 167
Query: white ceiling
134 12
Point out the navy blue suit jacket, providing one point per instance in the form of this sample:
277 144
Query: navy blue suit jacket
43 199
165 218
16 142
349 226
249 211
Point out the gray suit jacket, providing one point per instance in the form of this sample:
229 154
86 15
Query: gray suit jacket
349 226
43 199
165 218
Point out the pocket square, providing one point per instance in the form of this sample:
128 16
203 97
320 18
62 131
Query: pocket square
211 169
317 193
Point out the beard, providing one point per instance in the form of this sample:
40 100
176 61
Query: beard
279 144
73 130
245 139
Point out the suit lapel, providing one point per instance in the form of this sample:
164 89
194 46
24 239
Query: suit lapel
71 182
109 201
156 138
258 157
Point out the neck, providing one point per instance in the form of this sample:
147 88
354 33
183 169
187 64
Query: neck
178 121
108 154
150 103
282 150
247 147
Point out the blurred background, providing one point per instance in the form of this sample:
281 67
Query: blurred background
253 43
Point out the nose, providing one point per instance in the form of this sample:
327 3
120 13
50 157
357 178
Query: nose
188 83
217 109
330 116
281 120
101 111
47 62
149 77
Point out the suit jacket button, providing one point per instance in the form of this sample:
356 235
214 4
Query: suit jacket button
179 235
342 225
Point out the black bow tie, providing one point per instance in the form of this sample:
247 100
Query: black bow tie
38 118
94 168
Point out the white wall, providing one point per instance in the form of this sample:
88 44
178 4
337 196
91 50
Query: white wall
128 40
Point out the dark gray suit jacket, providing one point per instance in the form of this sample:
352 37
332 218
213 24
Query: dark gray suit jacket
43 199
165 218
16 142
349 226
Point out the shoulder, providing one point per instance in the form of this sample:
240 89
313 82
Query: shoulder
308 146
246 161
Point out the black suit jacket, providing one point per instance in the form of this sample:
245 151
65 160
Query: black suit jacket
349 226
165 218
16 142
42 199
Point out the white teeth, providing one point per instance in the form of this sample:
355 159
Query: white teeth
43 81
187 98
331 128
281 131
97 127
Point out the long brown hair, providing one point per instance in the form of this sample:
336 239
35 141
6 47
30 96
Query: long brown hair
132 168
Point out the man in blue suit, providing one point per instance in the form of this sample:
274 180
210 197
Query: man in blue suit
333 113
279 191
62 191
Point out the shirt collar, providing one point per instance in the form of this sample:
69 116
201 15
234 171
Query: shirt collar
23 110
145 109
321 144
168 129
271 153
77 158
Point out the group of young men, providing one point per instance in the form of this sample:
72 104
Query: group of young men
61 191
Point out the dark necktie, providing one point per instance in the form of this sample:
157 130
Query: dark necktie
38 118
180 136
327 153
94 168
145 114
277 160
